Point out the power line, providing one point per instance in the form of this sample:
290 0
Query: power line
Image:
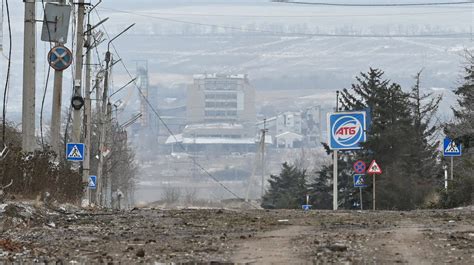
73 69
166 126
7 79
46 82
374 5
293 16
276 33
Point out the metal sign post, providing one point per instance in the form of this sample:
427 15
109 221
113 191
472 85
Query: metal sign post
374 169
359 182
452 168
451 148
445 168
373 192
334 186
347 130
59 58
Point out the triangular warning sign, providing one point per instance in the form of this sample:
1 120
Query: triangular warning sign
374 168
452 148
75 153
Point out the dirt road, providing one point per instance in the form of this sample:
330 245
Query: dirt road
37 234
271 247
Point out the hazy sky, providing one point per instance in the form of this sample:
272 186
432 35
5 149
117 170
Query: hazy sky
175 59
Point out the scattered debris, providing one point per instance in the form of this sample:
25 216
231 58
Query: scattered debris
9 245
35 232
141 253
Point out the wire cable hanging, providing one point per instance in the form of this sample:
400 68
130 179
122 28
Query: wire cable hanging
375 5
276 33
7 79
155 112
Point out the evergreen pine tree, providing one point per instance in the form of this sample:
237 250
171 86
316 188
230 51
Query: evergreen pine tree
422 165
463 130
287 190
400 126
461 190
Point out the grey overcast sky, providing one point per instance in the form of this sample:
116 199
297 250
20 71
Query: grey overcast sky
180 38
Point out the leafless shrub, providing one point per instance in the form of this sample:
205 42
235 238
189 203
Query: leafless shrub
190 196
171 195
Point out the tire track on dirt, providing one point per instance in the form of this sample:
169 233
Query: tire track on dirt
273 247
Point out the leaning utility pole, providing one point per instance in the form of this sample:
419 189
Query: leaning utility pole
103 130
29 77
87 114
103 117
76 124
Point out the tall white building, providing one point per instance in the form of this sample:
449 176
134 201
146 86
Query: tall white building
220 114
216 98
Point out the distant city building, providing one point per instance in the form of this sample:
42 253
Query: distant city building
288 122
295 129
220 115
221 98
313 125
289 140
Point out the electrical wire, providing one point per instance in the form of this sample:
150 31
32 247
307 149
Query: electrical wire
276 33
167 127
47 77
73 70
374 5
294 16
7 79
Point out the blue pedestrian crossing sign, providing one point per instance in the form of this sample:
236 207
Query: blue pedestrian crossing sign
359 181
347 130
306 207
451 147
92 183
75 152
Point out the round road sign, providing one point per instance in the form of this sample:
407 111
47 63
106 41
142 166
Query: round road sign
359 167
59 58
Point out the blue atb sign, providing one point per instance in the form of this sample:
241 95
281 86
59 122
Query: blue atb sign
451 147
75 152
359 181
347 130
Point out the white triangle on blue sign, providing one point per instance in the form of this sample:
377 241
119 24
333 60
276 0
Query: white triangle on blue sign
75 153
91 183
452 148
360 181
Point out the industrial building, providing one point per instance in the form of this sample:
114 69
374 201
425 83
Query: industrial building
220 115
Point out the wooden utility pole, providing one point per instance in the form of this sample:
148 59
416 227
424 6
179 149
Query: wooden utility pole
29 77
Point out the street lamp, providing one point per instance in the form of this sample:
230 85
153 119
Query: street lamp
107 61
105 115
